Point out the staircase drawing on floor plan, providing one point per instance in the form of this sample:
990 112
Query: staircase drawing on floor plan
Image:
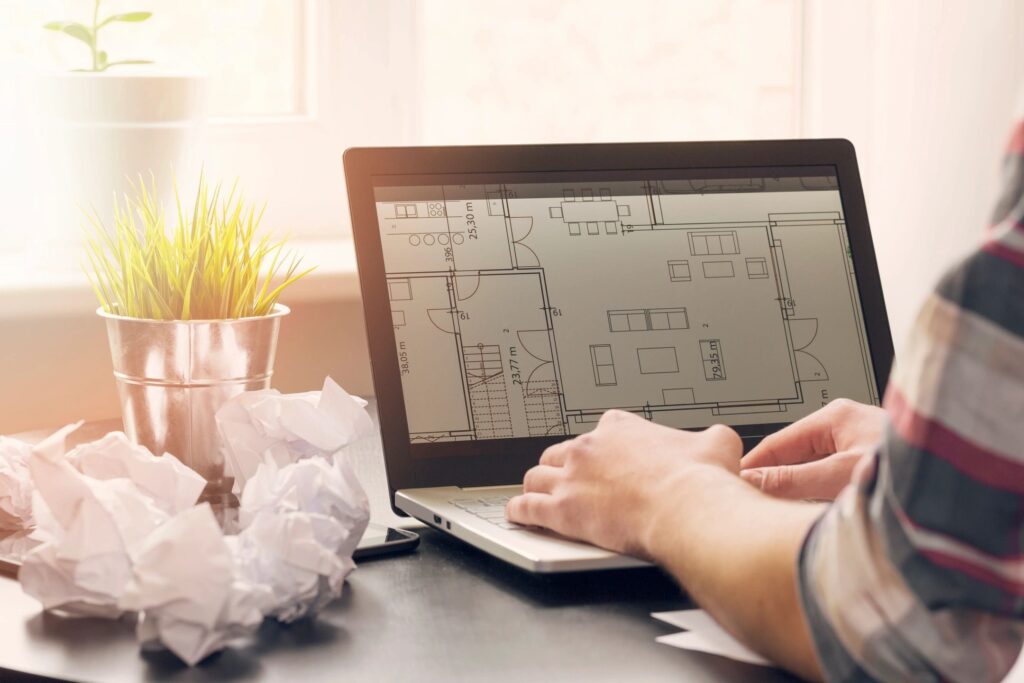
686 302
488 395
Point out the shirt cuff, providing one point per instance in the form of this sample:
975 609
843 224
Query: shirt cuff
837 666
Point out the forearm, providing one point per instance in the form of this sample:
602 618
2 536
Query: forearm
735 551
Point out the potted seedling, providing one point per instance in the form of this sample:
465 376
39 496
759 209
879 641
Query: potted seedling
113 117
192 316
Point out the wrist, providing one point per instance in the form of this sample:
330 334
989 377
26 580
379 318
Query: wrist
683 500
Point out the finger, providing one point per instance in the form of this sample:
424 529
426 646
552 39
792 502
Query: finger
532 509
614 415
804 440
542 478
555 455
818 480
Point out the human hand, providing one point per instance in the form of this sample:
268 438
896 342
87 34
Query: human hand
814 458
605 486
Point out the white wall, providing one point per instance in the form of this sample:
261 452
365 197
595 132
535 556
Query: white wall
926 90
536 71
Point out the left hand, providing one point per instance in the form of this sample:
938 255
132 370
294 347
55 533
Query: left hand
815 457
607 486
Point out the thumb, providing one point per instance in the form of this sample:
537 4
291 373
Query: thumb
817 480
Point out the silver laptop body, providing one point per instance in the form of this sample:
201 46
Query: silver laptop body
477 516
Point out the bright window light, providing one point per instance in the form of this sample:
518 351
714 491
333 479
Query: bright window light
606 70
252 50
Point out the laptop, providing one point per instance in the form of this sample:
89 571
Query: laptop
513 294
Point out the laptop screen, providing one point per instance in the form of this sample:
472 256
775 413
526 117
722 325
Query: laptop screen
527 308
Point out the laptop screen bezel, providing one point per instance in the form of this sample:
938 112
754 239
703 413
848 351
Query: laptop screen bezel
504 461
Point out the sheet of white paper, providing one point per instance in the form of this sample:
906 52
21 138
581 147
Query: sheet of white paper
705 635
715 645
1016 674
689 619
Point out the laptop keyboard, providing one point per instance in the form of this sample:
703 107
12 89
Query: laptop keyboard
490 509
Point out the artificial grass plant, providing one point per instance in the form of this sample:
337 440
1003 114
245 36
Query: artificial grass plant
211 265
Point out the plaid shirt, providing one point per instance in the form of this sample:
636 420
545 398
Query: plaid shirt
916 572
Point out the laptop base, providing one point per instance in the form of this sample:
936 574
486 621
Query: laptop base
462 512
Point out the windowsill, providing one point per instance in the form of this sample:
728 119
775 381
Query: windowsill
29 289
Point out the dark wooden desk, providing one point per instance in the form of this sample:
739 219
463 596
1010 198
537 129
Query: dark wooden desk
446 612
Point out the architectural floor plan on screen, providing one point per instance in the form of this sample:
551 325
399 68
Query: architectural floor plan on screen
530 309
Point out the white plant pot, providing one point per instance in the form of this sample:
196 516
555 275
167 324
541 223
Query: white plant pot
105 130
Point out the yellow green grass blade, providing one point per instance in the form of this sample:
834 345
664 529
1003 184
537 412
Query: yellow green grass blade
210 263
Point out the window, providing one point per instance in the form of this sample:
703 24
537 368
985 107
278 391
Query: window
295 82
292 83
253 51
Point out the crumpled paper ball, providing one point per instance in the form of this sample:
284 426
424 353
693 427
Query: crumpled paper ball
268 426
300 526
166 480
187 588
88 530
15 485
118 530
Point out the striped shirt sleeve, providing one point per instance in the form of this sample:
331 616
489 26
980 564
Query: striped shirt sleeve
916 572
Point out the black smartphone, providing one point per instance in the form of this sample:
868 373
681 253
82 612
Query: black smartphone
382 540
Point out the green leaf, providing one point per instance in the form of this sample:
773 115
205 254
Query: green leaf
74 29
101 58
127 17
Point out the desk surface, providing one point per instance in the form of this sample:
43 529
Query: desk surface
445 612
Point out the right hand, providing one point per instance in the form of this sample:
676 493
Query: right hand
814 458
607 486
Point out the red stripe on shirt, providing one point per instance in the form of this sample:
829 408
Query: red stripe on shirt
1016 144
1011 558
977 572
1004 252
982 465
